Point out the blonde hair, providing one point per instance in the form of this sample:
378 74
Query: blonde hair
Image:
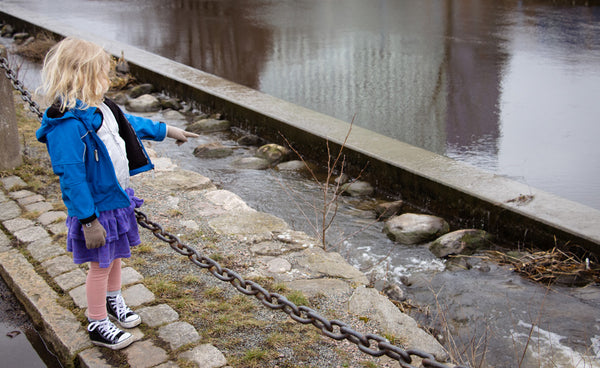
73 70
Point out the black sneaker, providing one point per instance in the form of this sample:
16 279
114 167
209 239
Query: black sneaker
119 311
105 333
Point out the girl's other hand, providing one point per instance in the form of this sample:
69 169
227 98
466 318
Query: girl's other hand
181 136
94 234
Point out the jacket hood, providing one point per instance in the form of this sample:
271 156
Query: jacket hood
90 117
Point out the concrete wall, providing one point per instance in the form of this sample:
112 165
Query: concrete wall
465 196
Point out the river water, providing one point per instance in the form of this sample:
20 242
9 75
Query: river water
508 86
511 87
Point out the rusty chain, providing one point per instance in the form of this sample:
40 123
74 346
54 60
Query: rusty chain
334 329
18 85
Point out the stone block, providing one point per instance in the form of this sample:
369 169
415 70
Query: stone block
21 193
58 265
178 334
78 296
12 182
58 228
205 356
144 354
44 249
9 210
93 358
39 207
137 295
71 279
30 234
30 199
50 217
158 315
4 240
16 224
130 276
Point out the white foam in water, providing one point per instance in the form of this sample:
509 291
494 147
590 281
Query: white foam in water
596 346
546 347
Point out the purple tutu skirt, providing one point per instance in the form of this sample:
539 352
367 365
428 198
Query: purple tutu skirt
121 234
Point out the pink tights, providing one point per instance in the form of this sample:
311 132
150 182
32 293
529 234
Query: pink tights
98 282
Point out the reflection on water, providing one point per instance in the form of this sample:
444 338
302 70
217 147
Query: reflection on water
508 86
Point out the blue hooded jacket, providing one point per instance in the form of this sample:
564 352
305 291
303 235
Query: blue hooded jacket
88 181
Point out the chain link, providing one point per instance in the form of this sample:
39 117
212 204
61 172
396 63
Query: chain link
18 85
371 344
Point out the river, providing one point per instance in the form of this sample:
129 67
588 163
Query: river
511 87
508 86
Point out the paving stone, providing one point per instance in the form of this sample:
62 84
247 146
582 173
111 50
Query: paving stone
21 194
205 356
17 224
9 210
3 197
4 242
12 182
130 276
31 234
71 279
178 334
50 217
144 354
39 207
44 249
31 199
78 296
93 358
58 265
137 295
58 228
158 315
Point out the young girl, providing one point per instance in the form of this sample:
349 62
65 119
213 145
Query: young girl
94 148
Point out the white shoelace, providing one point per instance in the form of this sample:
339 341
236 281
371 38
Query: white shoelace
118 304
107 329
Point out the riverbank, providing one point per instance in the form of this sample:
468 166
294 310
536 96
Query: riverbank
189 315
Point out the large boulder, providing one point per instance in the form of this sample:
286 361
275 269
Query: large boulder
212 150
357 188
144 103
294 165
411 228
209 126
272 152
251 163
251 140
140 90
386 210
460 242
370 304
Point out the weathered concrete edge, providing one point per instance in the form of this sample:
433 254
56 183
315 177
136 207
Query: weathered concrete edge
473 198
59 326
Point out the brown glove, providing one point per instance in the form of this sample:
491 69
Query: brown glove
179 135
94 234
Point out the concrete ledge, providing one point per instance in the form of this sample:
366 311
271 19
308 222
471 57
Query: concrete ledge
58 325
465 196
